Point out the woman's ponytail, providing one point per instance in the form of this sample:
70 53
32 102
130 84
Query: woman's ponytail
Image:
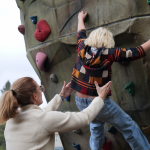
8 106
23 89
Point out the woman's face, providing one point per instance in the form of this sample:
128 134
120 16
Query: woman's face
38 93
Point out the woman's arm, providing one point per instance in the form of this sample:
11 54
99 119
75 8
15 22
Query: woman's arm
62 122
54 104
55 121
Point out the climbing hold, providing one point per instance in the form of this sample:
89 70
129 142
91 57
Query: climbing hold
130 88
124 63
107 145
53 78
148 1
68 98
77 147
21 29
33 19
22 0
40 60
112 130
79 131
43 30
146 129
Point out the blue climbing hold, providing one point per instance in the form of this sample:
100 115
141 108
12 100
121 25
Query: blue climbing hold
148 1
33 19
112 130
76 146
68 98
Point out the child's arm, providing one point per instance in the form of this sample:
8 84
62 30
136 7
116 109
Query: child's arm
81 17
146 46
128 54
125 54
81 30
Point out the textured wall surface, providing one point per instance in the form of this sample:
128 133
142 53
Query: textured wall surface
129 22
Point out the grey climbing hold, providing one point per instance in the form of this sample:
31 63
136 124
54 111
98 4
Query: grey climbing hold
79 131
53 78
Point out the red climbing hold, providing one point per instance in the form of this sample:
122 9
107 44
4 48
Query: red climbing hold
40 60
107 145
43 30
21 29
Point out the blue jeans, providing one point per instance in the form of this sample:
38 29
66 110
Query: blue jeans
114 115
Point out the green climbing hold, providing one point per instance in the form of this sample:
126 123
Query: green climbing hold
130 88
148 1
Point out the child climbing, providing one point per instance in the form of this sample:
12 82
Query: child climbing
95 57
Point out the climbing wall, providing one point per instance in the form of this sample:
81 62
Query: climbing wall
49 28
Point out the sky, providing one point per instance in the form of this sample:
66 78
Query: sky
13 61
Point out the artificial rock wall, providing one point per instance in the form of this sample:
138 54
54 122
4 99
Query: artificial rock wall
128 20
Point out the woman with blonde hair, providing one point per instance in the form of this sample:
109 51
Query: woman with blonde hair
95 55
28 127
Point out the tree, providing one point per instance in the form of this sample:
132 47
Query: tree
2 127
2 139
6 87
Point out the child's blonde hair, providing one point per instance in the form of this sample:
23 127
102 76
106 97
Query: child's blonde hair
100 37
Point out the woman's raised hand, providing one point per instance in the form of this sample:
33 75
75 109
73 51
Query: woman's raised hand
103 91
66 90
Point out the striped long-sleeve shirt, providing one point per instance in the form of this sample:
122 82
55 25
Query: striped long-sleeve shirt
91 67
